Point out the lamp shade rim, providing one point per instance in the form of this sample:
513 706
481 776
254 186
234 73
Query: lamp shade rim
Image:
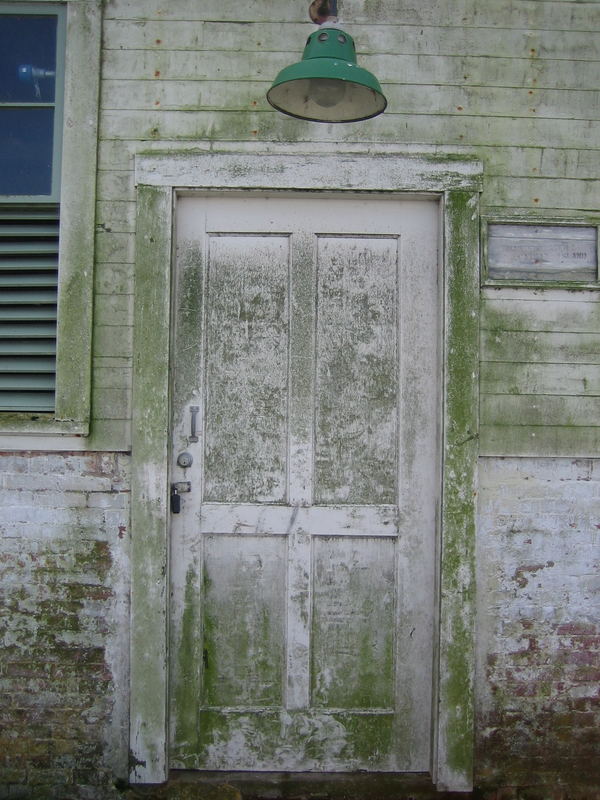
377 107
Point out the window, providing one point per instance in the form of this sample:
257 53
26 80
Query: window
31 99
32 44
49 81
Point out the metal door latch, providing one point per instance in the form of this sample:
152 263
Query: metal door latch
177 489
193 437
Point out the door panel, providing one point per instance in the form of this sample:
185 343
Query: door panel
352 653
303 559
247 325
356 392
244 621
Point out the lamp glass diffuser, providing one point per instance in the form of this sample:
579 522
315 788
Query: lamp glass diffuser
327 85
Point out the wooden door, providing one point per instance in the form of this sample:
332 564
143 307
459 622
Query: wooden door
303 558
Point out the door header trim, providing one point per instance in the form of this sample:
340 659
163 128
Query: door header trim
372 173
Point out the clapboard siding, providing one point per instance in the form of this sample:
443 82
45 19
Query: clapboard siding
391 39
549 310
513 378
549 347
540 372
550 162
482 100
565 15
400 68
116 184
541 440
117 155
424 129
519 191
513 82
116 215
541 410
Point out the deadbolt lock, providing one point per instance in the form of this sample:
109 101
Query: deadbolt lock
185 460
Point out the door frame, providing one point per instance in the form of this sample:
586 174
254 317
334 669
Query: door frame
457 184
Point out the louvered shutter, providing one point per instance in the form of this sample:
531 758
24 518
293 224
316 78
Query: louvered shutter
28 290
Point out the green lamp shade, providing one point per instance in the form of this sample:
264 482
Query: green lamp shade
327 85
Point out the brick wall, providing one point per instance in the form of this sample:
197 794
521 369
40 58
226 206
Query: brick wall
63 624
538 631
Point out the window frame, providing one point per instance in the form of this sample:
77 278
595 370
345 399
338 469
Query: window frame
58 10
76 233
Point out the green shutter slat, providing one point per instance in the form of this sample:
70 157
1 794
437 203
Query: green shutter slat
45 330
26 313
26 401
26 383
31 263
25 248
27 363
28 296
9 280
33 229
27 347
25 215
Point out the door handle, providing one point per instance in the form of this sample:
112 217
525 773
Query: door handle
193 437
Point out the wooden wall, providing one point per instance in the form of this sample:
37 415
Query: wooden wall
515 82
540 372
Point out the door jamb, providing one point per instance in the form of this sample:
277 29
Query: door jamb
159 177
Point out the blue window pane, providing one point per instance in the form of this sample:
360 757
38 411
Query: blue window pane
26 136
27 58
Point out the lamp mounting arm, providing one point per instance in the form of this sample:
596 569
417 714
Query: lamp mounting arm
322 11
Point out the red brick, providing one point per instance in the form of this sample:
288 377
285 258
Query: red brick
576 628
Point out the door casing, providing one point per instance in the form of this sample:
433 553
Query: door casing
159 178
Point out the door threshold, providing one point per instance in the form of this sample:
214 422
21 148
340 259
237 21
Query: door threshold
297 786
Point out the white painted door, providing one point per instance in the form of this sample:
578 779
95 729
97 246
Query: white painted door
303 558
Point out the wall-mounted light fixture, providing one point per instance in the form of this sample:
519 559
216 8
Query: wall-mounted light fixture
327 85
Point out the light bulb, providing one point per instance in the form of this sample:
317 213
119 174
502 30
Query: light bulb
326 92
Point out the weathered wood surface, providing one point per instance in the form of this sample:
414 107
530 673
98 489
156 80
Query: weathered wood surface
246 347
545 346
423 128
540 372
356 379
302 569
353 666
534 409
540 440
542 252
540 310
116 156
269 35
512 378
457 71
179 93
527 14
513 83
